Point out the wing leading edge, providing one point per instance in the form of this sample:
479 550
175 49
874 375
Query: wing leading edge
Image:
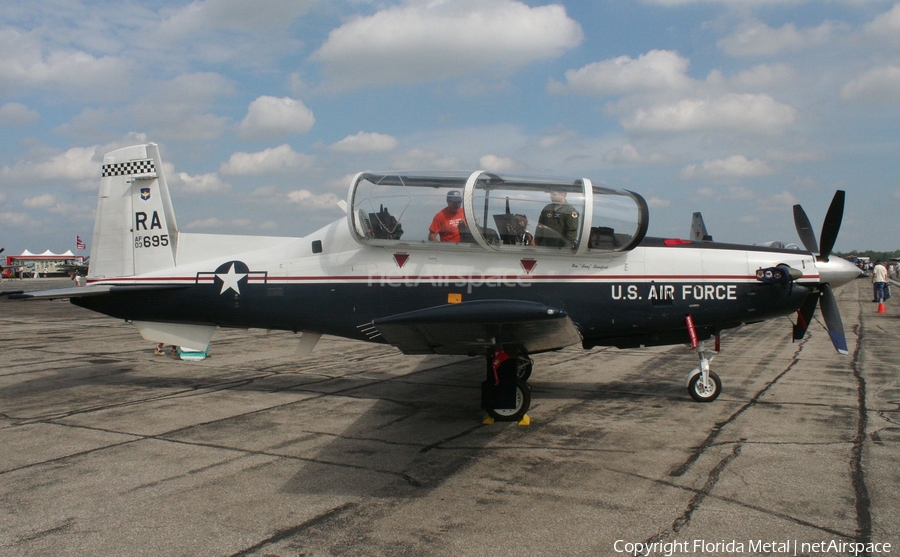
471 328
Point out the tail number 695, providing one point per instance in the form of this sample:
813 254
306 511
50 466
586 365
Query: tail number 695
151 241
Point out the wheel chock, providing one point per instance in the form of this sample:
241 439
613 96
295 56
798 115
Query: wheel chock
487 420
525 420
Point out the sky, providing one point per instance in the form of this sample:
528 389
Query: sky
265 110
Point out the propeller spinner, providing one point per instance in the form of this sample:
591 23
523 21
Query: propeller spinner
833 272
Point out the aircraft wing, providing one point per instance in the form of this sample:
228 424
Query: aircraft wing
471 327
84 291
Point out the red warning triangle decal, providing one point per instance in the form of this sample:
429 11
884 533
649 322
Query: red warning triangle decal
400 259
528 265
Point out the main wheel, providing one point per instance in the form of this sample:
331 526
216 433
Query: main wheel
705 393
523 403
524 365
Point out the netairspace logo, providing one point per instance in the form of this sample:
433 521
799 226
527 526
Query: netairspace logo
467 282
785 547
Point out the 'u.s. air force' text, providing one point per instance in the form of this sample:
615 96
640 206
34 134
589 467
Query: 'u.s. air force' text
674 292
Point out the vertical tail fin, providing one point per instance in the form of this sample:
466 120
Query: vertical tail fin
135 230
698 229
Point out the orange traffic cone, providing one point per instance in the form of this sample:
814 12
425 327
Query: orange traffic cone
881 307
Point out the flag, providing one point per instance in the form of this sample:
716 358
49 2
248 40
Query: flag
79 244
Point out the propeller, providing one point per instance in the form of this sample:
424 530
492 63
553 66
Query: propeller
837 271
830 227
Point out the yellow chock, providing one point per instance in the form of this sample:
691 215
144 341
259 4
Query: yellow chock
487 420
525 420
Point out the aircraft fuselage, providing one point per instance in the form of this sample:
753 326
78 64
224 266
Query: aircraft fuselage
627 299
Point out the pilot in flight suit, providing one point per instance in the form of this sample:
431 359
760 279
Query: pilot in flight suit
558 225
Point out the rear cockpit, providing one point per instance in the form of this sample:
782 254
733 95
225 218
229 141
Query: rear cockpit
494 212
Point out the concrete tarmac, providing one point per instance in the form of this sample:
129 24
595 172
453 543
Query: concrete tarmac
107 449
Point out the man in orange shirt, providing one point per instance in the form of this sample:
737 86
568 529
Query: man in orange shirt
445 225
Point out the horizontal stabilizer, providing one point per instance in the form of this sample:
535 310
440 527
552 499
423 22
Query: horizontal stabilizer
474 327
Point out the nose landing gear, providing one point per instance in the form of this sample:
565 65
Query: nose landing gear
702 384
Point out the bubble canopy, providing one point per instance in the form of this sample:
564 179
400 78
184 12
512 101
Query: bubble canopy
499 212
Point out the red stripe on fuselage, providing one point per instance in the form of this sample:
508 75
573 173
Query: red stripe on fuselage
454 278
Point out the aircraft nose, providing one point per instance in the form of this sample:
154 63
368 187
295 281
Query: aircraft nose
837 271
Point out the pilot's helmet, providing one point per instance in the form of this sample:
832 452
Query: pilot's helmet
454 196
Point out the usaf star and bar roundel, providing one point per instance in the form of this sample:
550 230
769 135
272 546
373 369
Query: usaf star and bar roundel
233 276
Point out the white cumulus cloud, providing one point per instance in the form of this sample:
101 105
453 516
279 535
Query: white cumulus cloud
422 41
311 200
202 183
880 85
629 154
28 62
735 166
259 15
10 218
269 117
275 160
750 113
653 71
44 201
50 203
77 163
364 142
758 39
493 163
886 26
17 114
763 76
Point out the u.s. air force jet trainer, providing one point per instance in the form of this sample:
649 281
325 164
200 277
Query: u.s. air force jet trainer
452 263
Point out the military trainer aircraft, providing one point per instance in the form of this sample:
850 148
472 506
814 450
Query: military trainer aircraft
496 291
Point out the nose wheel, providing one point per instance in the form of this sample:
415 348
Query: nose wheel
704 390
702 384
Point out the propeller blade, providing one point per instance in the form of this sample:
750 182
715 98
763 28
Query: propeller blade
805 314
832 224
833 319
804 230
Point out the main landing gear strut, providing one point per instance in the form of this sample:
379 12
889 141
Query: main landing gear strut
505 393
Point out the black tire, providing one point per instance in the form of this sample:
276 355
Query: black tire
707 394
523 403
524 365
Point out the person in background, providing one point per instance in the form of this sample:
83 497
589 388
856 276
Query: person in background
879 279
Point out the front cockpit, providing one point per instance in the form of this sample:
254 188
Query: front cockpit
494 212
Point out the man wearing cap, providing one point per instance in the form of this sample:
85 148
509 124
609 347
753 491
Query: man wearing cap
445 225
558 224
